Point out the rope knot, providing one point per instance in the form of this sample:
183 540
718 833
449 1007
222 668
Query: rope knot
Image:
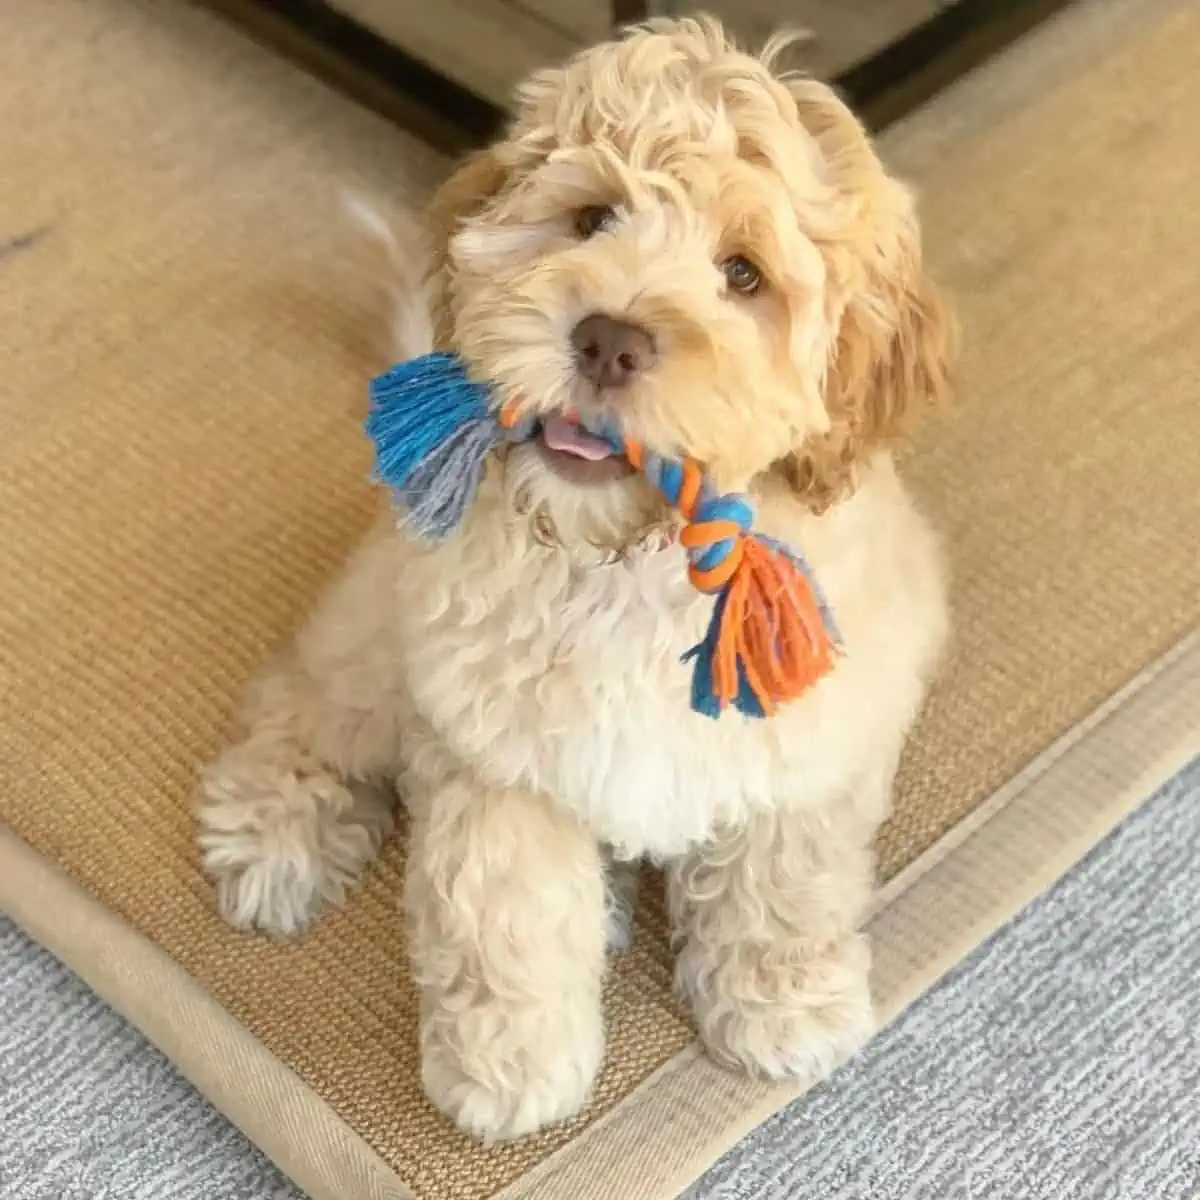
715 540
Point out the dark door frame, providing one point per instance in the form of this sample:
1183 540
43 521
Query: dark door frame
881 88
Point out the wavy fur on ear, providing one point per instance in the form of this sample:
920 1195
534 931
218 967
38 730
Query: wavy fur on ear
896 337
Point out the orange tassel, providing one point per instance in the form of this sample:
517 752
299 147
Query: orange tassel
772 627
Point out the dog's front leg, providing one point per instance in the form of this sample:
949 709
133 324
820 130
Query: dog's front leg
771 962
506 907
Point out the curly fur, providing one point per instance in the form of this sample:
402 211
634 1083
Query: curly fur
520 682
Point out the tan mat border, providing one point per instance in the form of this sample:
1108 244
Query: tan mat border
679 1121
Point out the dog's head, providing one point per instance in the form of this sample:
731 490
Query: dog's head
704 251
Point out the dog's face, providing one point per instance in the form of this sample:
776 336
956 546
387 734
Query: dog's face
676 239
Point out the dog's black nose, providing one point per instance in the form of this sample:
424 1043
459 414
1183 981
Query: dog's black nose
611 352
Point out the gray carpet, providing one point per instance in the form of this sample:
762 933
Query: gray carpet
90 1111
1060 1061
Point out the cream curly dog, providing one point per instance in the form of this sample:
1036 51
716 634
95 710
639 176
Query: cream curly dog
712 254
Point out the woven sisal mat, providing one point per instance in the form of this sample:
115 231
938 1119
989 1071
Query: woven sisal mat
185 332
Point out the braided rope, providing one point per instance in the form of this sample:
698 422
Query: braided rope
772 634
717 525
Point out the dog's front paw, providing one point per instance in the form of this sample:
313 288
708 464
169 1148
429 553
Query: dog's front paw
780 1018
281 845
499 1076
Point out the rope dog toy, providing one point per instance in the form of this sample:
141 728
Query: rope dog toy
771 635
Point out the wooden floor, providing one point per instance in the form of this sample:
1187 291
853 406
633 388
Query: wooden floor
486 45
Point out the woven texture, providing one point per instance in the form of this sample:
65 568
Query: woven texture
186 340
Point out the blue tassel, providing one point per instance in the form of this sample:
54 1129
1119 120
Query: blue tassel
433 429
704 698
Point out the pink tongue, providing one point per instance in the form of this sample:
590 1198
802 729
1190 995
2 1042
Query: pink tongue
561 434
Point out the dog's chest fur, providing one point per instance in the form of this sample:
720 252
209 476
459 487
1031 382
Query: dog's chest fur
570 683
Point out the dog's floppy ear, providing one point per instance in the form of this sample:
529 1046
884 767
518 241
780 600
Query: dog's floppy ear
477 179
890 366
895 337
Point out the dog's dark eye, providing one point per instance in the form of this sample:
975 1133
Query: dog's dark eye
594 220
742 275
